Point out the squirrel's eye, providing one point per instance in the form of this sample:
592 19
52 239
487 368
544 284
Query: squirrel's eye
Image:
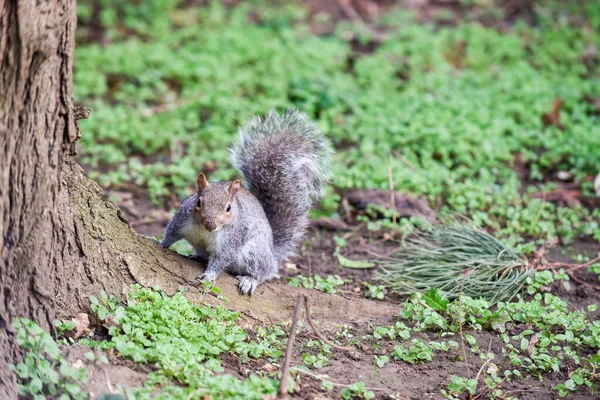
228 209
199 203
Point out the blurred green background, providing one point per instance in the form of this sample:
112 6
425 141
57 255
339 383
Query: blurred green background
453 97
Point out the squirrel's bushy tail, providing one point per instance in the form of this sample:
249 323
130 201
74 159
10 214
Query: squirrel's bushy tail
285 160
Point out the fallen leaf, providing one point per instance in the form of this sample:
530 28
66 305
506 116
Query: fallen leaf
291 266
532 342
354 264
564 175
109 321
492 369
269 367
82 325
553 117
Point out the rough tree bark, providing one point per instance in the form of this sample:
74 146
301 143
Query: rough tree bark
61 241
36 58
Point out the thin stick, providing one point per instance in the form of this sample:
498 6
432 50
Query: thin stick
108 384
404 160
350 11
462 339
392 194
333 383
570 267
290 347
538 255
309 266
319 335
481 369
579 281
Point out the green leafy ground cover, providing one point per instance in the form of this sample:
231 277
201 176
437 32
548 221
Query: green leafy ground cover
184 343
451 106
455 109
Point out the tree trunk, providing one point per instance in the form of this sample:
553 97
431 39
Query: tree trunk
61 241
36 125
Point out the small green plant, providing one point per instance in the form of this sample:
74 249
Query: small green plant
398 330
63 326
417 352
545 278
321 358
380 361
44 372
327 285
459 386
375 291
357 391
184 342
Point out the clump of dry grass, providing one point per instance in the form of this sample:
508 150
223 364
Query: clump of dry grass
456 259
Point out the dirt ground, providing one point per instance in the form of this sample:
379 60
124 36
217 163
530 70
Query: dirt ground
317 257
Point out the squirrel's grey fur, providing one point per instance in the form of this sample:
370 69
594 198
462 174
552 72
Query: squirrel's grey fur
285 161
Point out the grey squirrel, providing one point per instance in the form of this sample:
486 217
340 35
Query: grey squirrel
285 161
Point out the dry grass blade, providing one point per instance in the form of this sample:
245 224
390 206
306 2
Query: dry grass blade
446 257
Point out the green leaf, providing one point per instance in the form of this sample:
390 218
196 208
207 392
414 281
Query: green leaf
73 389
36 385
524 344
570 384
49 346
434 299
354 264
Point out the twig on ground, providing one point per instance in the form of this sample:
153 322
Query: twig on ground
538 255
462 338
290 347
347 210
404 160
316 331
392 194
333 383
570 267
350 12
109 385
579 281
386 256
479 373
481 369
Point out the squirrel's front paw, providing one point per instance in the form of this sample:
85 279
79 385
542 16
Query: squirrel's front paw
206 277
247 284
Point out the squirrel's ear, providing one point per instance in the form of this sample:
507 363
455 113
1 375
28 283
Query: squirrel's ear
202 182
233 188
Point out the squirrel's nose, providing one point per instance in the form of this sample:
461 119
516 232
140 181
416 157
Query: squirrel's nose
210 225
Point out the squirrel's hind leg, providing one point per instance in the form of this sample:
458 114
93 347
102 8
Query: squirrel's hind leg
259 268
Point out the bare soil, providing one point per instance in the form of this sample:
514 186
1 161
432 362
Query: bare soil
403 380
